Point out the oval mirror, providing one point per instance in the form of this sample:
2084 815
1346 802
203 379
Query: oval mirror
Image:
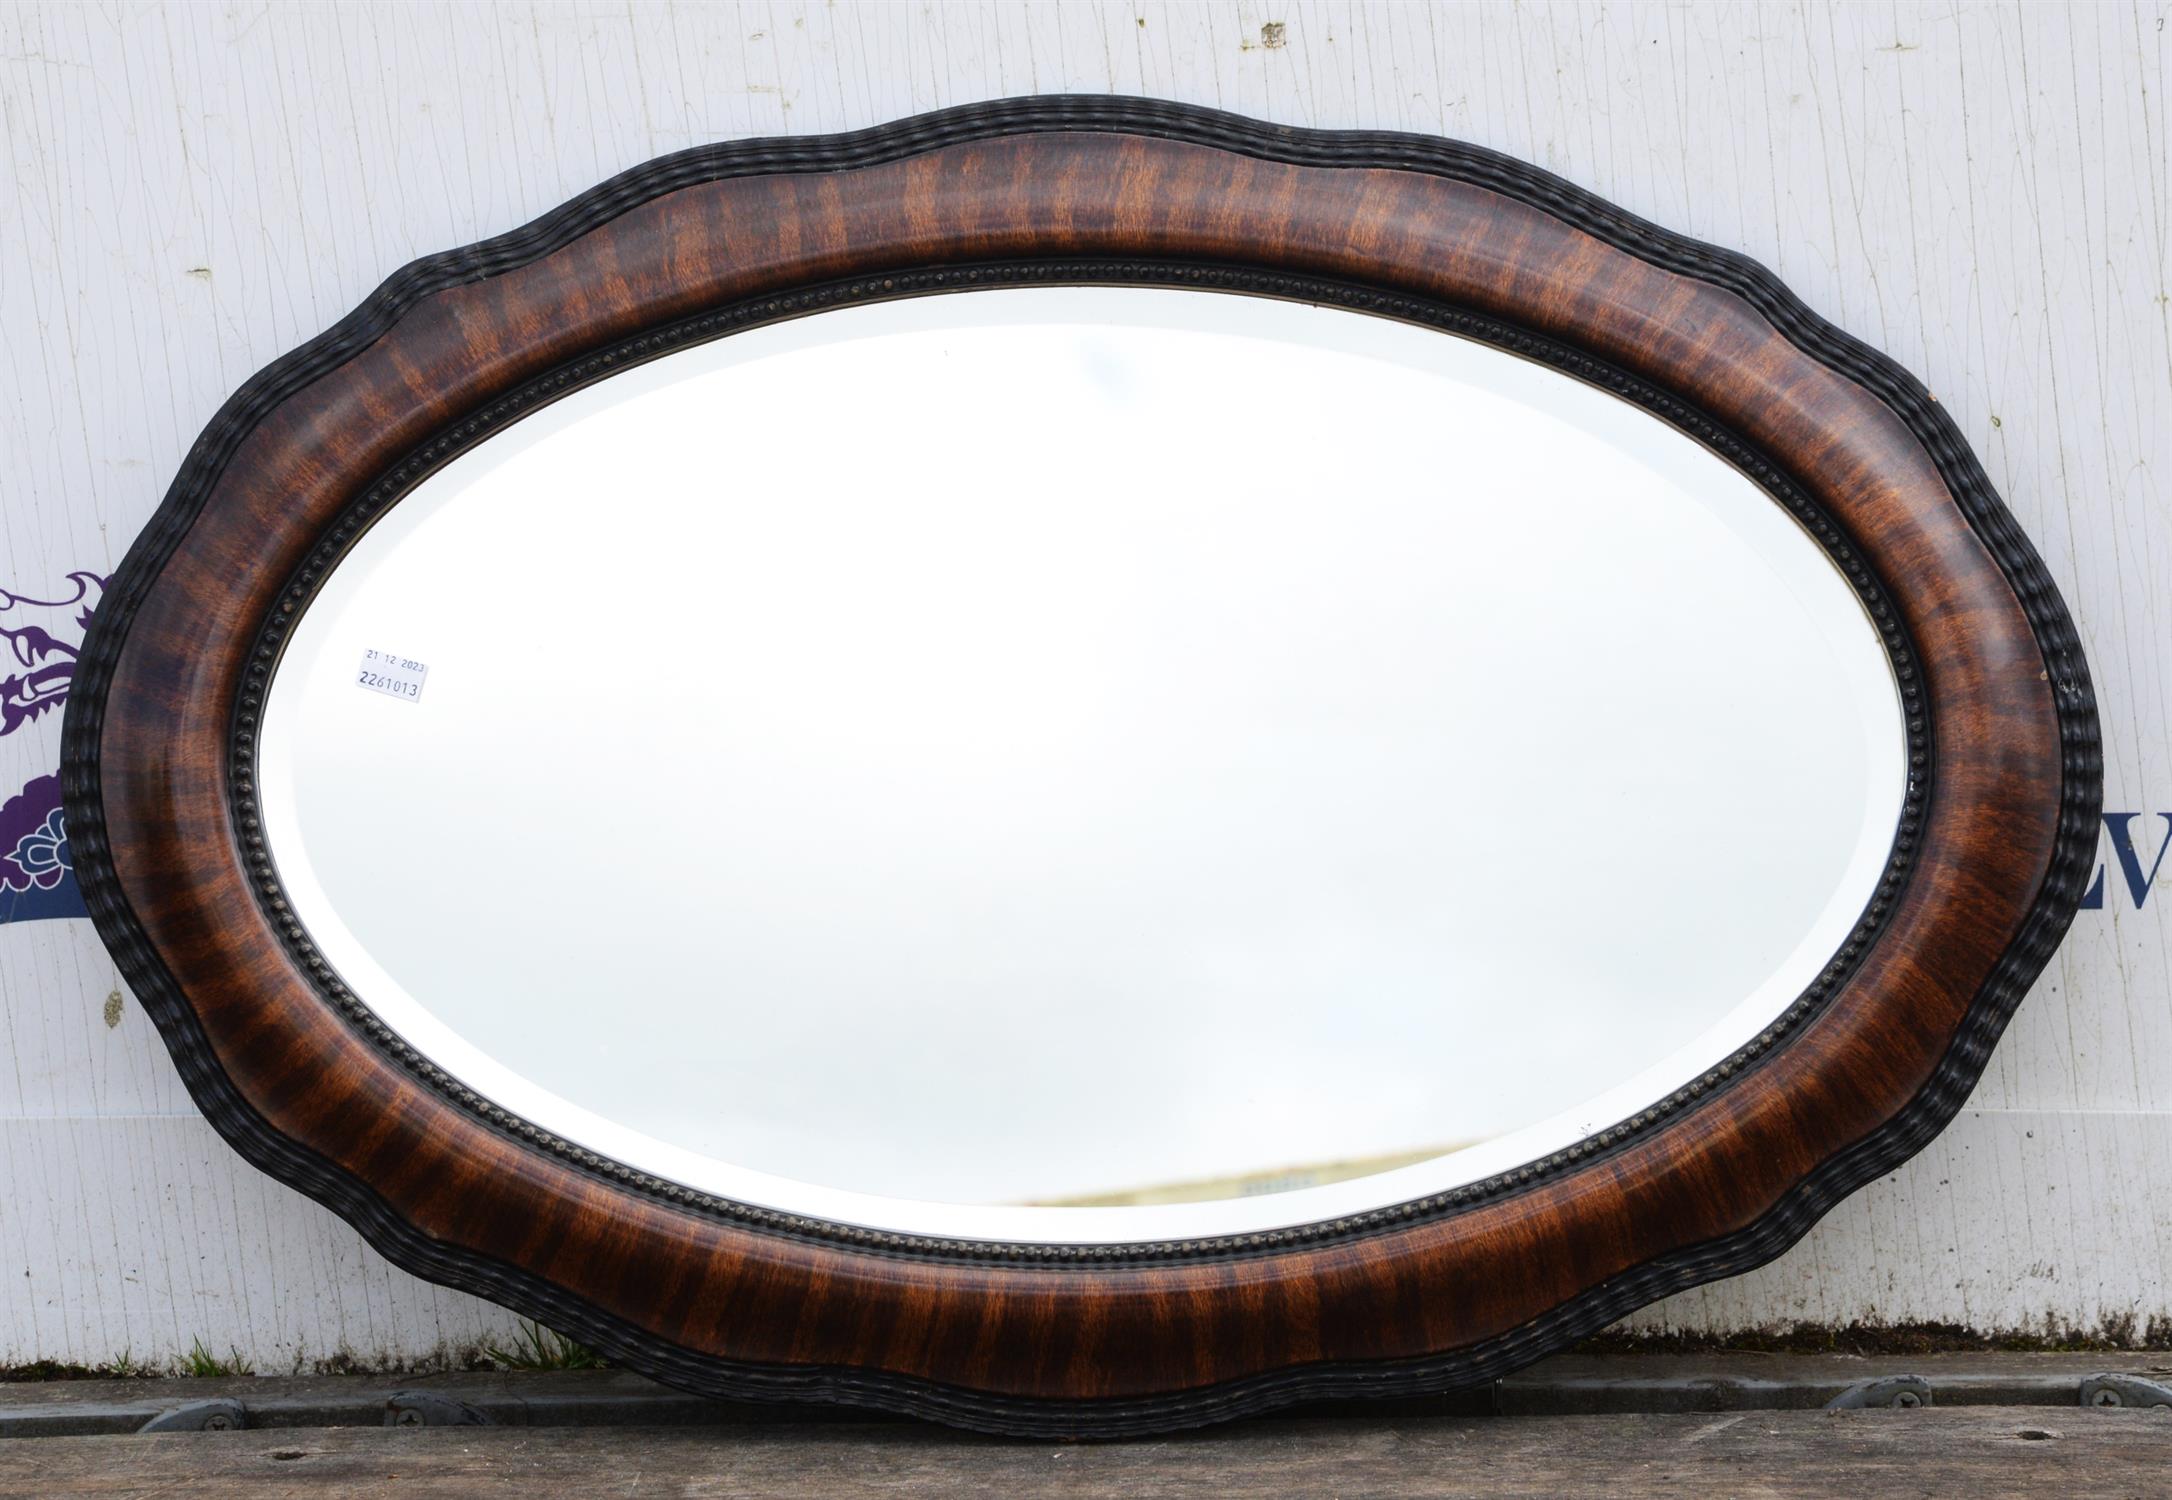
1080 766
1279 760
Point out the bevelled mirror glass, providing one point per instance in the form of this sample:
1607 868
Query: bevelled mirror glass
1081 766
1141 763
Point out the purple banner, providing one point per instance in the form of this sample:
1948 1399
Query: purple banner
41 638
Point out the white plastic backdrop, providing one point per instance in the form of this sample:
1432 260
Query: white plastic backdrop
187 193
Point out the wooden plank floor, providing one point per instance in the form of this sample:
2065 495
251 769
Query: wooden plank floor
1973 1452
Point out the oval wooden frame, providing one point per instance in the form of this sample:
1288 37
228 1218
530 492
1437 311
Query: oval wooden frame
1989 861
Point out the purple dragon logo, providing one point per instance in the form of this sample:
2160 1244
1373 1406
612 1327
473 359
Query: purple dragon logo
46 663
37 877
34 839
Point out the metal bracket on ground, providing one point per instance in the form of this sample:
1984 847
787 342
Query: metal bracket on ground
2125 1390
217 1415
1903 1391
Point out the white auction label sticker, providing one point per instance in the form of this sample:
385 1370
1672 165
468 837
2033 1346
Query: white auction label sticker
394 676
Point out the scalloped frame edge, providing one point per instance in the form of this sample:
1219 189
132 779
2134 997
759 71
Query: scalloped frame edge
1773 1232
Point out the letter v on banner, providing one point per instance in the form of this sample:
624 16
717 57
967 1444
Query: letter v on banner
2121 827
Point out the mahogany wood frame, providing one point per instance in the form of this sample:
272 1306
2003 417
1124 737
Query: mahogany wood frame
1988 862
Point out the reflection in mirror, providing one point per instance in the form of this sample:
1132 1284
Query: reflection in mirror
1082 764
